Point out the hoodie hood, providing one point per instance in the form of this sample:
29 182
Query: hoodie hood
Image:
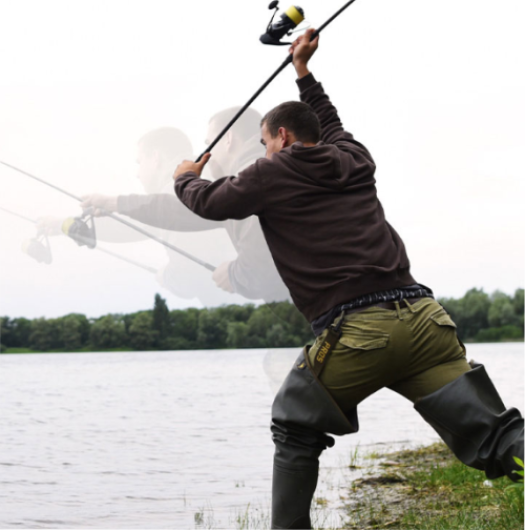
328 165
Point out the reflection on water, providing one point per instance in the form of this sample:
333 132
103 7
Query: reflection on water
172 439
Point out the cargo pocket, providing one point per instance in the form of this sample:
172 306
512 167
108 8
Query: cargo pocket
357 362
363 337
357 337
442 319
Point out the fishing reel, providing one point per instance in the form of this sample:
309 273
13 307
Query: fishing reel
82 233
38 248
289 20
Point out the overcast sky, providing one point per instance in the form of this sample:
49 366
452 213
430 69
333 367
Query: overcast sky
434 90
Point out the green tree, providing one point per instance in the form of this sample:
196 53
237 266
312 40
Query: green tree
503 333
71 332
475 305
142 336
519 302
501 311
297 327
20 332
212 331
277 337
45 334
259 323
470 313
236 313
184 326
237 335
108 332
5 330
161 320
84 327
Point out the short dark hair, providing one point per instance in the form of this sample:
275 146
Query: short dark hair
299 118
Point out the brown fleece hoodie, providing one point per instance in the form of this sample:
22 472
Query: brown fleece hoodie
319 212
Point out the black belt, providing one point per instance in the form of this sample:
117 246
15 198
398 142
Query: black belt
374 299
390 305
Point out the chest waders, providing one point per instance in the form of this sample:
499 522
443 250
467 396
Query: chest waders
304 411
467 413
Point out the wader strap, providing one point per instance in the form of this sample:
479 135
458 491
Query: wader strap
329 343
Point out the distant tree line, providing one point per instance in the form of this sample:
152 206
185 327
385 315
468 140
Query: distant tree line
487 318
269 326
480 317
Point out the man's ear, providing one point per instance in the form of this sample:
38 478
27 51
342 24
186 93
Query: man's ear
283 136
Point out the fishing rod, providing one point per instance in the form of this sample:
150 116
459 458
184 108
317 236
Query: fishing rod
32 248
274 32
117 218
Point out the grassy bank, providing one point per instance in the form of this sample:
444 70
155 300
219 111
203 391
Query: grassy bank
428 489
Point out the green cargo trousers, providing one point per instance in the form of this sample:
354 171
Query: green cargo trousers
413 350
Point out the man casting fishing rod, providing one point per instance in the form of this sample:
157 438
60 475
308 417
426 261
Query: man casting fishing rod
348 272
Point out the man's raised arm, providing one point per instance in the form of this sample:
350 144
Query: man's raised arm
312 93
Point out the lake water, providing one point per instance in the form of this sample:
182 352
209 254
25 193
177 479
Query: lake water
158 440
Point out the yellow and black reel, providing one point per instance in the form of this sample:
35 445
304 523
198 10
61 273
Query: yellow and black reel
82 233
289 20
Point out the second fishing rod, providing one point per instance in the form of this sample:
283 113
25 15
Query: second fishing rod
118 219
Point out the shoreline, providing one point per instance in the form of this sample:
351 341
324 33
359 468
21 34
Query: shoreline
429 489
27 351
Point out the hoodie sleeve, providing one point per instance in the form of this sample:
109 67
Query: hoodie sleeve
225 198
163 211
332 132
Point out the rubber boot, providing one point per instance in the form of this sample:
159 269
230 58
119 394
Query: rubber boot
293 487
472 420
303 411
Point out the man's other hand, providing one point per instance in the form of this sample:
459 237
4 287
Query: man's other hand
188 165
221 277
101 204
302 50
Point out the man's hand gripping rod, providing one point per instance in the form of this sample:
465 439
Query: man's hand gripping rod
285 63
